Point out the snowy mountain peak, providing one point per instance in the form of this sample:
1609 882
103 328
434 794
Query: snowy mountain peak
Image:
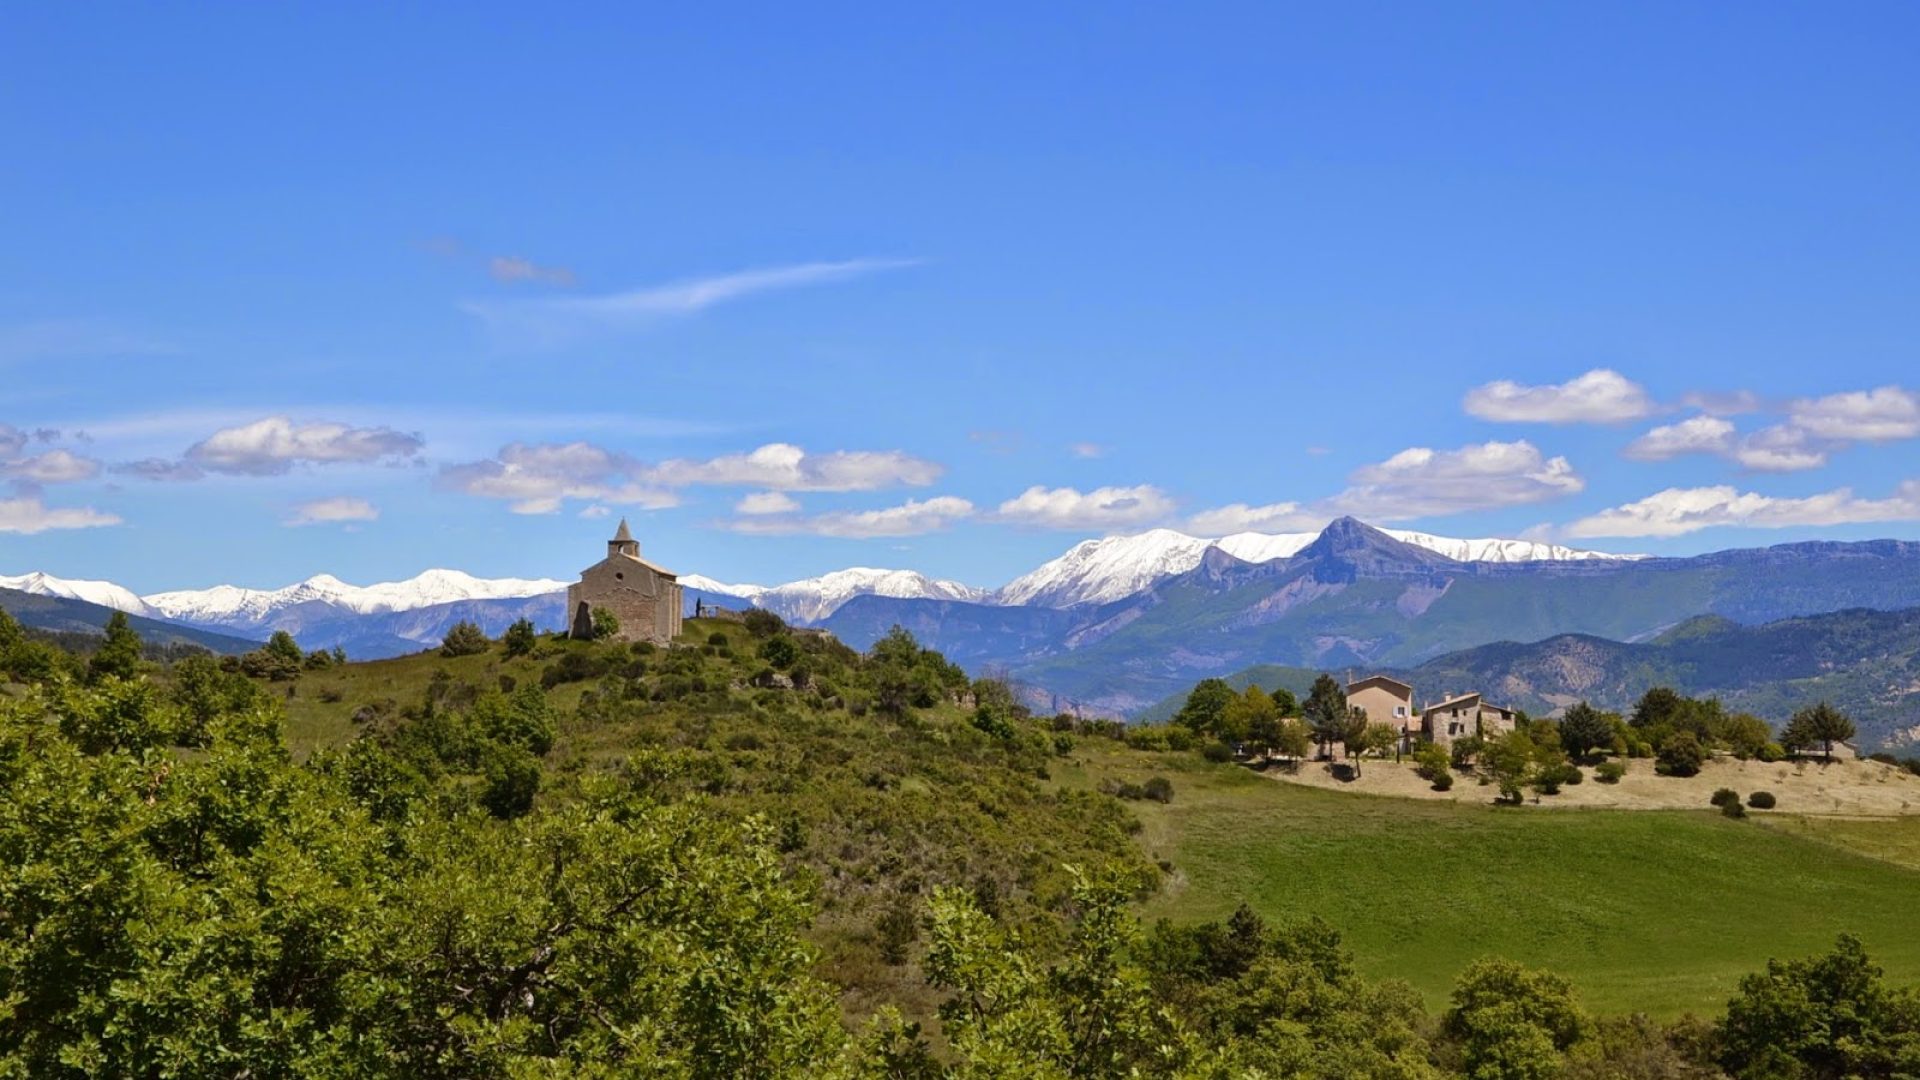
104 593
1114 567
707 584
228 605
816 598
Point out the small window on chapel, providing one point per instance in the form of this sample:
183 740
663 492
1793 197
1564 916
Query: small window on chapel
619 576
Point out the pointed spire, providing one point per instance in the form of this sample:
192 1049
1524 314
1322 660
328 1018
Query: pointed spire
625 534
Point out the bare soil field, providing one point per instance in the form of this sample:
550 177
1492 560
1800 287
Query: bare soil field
1840 788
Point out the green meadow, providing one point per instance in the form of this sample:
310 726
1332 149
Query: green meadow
1654 911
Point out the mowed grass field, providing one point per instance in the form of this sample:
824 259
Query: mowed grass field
1653 911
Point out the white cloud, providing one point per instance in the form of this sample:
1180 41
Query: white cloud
1422 482
52 467
766 502
1415 483
596 511
1101 508
1694 435
340 508
538 478
785 467
1678 511
273 445
1273 517
1601 396
554 321
912 518
1087 450
28 515
1886 414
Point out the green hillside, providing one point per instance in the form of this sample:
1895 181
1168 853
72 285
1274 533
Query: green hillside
1643 910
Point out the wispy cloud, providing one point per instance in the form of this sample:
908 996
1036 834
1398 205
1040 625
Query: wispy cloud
341 509
553 321
785 467
513 268
273 445
915 517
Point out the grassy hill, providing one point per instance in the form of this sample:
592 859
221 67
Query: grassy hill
1660 911
1656 911
1865 662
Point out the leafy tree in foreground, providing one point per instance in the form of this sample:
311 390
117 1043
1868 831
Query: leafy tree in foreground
1512 1023
1326 712
1829 1016
1680 755
605 623
1284 700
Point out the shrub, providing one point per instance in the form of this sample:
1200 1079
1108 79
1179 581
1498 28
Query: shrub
520 639
1610 772
762 623
1159 789
1761 800
1734 810
1217 752
1724 796
780 651
1680 755
716 639
465 639
605 623
1443 782
1772 752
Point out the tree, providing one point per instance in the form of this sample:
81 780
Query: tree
1822 724
1245 712
605 624
1370 739
464 639
119 656
280 646
1284 700
1326 712
1829 1016
1510 760
1745 734
1680 755
1655 707
520 638
780 651
1512 1023
1206 706
1584 729
1295 740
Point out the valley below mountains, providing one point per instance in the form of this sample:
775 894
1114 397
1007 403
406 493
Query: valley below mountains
1119 625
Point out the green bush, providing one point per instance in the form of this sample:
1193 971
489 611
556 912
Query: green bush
1724 796
1610 771
716 639
1761 800
1217 752
1159 789
1772 752
1734 810
1680 755
1443 782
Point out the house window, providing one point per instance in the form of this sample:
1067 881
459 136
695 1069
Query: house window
1399 711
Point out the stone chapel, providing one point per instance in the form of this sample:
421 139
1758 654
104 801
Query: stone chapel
644 597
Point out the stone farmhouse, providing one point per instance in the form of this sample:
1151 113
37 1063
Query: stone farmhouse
1390 701
645 598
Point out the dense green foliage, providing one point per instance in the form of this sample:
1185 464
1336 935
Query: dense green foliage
671 862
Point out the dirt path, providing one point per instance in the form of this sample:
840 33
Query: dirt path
1837 789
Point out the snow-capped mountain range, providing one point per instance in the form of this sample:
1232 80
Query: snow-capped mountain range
1091 572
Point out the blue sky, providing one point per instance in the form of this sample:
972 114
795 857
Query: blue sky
365 291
